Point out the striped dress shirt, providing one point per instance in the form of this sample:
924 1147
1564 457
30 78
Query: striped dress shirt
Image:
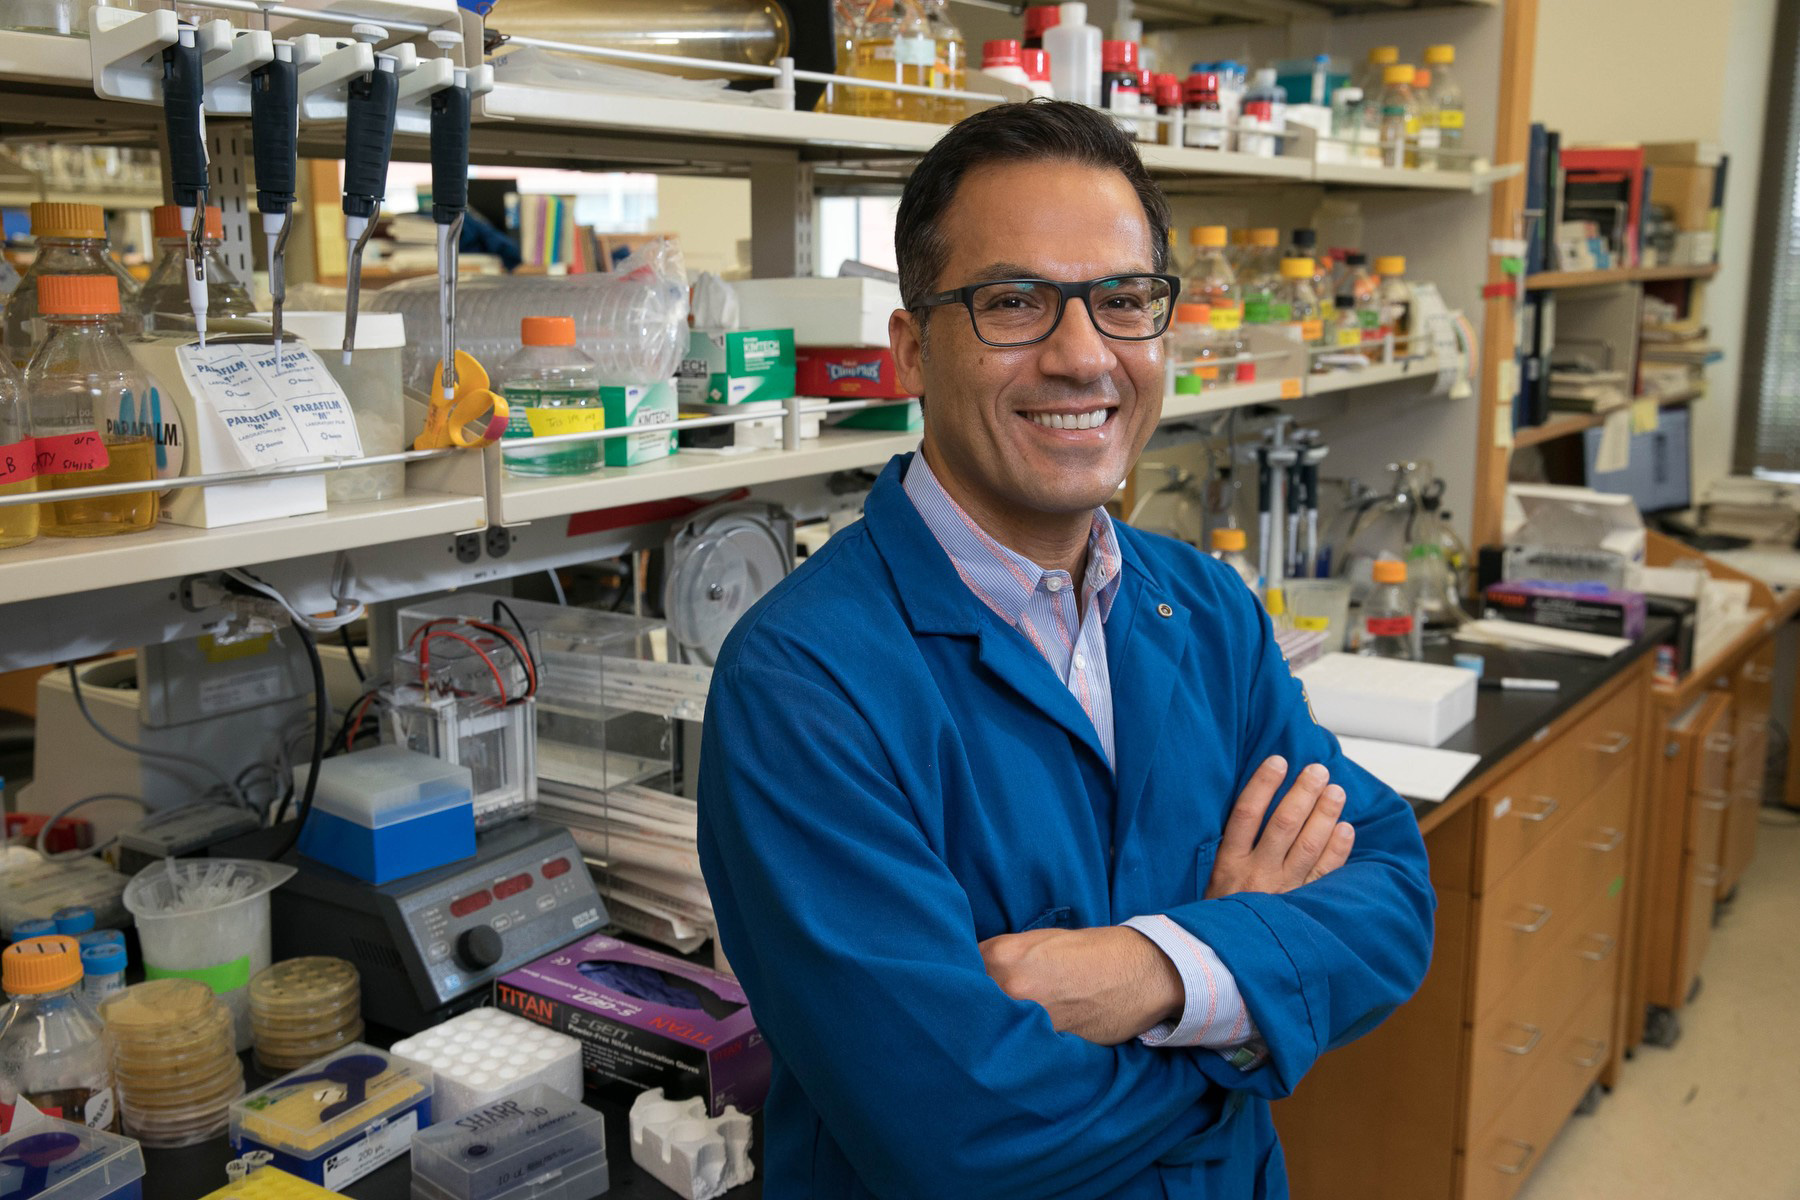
1042 605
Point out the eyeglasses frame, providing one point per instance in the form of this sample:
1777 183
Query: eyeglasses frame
1065 293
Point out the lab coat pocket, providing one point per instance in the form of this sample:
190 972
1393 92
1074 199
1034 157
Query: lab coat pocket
1226 1139
1203 867
1052 918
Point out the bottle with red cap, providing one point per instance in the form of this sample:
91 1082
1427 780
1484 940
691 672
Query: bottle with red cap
1204 123
91 414
1119 93
1000 58
1036 61
162 303
1039 17
1166 89
551 388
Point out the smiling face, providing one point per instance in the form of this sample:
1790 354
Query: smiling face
1031 439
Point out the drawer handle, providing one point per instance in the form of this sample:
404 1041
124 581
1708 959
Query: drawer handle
1533 1035
1706 877
1720 743
1713 800
1594 1059
1608 944
1517 1167
1543 912
1614 839
1546 806
1614 743
1756 674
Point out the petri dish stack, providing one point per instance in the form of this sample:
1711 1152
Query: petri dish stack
302 1010
175 1059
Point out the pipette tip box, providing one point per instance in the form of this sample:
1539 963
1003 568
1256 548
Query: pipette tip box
335 1120
387 813
646 1020
59 1160
536 1144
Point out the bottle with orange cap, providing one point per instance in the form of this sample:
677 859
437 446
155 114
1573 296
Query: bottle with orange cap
71 240
18 460
54 1050
90 412
551 388
162 303
1390 621
1192 349
1228 546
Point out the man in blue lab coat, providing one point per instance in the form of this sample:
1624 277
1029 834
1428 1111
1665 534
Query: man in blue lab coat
984 788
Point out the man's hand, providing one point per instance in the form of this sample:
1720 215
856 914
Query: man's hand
1304 840
1105 985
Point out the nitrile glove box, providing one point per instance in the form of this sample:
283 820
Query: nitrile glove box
849 310
646 1020
742 366
387 813
1395 700
1584 608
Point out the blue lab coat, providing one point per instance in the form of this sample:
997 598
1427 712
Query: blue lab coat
892 774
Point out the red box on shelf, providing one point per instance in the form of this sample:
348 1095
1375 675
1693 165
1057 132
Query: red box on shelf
847 373
69 833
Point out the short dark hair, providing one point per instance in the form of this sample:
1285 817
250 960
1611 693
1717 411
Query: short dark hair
1034 131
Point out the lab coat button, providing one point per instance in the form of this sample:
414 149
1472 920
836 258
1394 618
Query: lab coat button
1163 610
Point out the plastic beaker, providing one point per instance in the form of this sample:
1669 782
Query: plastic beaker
1322 604
207 919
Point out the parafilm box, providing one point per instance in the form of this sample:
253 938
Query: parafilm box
646 1020
737 367
847 373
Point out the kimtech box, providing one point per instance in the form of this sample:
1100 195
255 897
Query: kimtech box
737 367
646 1020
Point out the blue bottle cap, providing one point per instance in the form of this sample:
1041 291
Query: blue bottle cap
1470 662
76 919
104 959
101 937
34 927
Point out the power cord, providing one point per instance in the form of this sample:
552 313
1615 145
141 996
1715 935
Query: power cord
322 719
50 823
350 649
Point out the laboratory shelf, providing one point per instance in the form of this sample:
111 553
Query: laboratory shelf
690 473
1552 280
1565 424
64 566
1237 395
45 58
1423 366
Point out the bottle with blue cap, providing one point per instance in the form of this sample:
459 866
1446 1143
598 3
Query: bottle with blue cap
74 920
103 970
34 927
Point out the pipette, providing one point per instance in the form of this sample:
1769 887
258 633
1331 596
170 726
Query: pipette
183 86
368 144
449 192
275 135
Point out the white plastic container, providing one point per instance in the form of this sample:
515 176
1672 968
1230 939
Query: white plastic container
1074 49
388 813
1421 704
372 383
532 1144
691 1154
485 1055
207 919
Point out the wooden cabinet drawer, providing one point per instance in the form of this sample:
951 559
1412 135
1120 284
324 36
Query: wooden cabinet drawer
1706 828
1498 1160
1701 894
1524 1028
1517 922
1526 808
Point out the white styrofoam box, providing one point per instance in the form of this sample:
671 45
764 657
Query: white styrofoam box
485 1055
690 1153
846 311
1356 695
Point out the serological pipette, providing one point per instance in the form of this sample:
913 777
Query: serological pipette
275 136
368 145
449 192
183 90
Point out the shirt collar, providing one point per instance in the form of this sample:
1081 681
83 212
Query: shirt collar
1009 590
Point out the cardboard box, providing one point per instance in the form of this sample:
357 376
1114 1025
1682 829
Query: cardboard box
646 1020
1422 704
847 373
1688 194
1584 608
896 418
737 367
639 404
846 311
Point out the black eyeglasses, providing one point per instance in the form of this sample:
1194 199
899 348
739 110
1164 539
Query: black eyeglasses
1019 312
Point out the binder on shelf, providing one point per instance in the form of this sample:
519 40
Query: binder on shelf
1537 178
1608 181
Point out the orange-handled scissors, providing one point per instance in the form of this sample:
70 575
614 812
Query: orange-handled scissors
472 415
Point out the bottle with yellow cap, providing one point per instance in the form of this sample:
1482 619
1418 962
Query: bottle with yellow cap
1294 309
1393 299
90 413
1211 281
551 388
1399 116
71 240
162 303
1374 75
1228 547
54 1050
1447 101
